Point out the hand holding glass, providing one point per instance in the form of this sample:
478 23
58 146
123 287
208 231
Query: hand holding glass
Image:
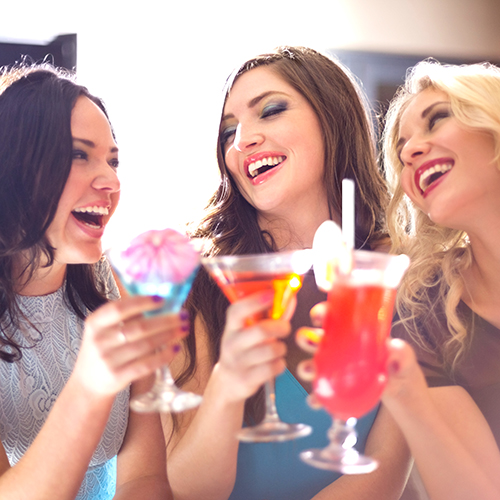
163 264
240 276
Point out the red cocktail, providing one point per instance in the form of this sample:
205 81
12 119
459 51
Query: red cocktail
238 285
351 358
350 363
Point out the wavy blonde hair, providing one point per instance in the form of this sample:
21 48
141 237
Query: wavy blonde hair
438 254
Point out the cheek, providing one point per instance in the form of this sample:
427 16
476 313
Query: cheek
407 182
409 187
230 159
115 198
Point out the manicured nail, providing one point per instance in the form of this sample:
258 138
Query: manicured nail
393 367
267 296
184 315
185 326
176 348
156 298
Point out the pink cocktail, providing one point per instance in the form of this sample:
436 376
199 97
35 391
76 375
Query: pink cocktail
350 363
351 358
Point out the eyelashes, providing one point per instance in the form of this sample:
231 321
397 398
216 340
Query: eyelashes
78 154
226 135
438 115
274 109
268 111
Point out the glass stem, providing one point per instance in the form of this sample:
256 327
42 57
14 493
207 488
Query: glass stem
342 435
164 377
271 411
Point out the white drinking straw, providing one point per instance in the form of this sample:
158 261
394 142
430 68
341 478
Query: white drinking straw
348 212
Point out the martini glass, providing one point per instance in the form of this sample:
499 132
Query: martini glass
350 362
162 263
241 275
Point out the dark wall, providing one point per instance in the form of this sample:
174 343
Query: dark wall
61 52
382 73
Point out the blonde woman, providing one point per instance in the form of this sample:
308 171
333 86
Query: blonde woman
442 150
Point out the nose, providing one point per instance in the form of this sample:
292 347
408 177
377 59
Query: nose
247 138
106 178
413 149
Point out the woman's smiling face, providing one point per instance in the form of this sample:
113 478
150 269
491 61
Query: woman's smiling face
91 192
272 143
448 169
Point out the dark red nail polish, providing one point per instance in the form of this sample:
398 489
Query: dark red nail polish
393 367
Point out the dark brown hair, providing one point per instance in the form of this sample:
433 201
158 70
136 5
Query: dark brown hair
36 145
230 222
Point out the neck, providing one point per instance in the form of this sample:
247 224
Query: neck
44 281
482 279
295 230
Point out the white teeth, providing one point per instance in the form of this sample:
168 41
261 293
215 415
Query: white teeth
271 161
95 210
435 169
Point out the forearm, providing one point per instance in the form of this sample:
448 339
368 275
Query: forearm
447 468
203 463
150 488
56 462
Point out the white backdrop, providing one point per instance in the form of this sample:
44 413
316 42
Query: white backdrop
160 67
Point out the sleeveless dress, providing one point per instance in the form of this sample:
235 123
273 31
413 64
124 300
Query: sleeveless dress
29 387
274 471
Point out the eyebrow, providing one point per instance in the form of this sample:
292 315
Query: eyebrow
253 102
424 114
91 144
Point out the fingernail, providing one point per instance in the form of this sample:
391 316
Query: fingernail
393 367
184 315
267 296
176 348
185 326
156 298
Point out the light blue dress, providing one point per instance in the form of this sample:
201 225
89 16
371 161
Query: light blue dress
274 471
29 387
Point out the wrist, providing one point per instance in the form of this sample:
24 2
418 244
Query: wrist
221 388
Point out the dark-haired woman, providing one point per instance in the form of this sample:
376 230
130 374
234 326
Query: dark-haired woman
293 126
68 354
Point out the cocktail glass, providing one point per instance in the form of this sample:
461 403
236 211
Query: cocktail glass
241 275
350 362
133 272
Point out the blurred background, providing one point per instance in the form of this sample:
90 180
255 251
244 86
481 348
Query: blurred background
160 66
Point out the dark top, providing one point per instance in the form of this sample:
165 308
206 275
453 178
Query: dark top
274 471
478 371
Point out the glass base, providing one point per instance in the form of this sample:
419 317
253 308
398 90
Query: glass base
268 432
170 401
346 461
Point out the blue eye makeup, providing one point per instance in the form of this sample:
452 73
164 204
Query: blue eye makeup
273 109
226 135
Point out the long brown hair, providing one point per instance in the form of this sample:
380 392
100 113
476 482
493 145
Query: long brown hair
230 222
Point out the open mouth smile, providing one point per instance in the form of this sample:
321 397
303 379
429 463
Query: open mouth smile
263 165
93 217
428 174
